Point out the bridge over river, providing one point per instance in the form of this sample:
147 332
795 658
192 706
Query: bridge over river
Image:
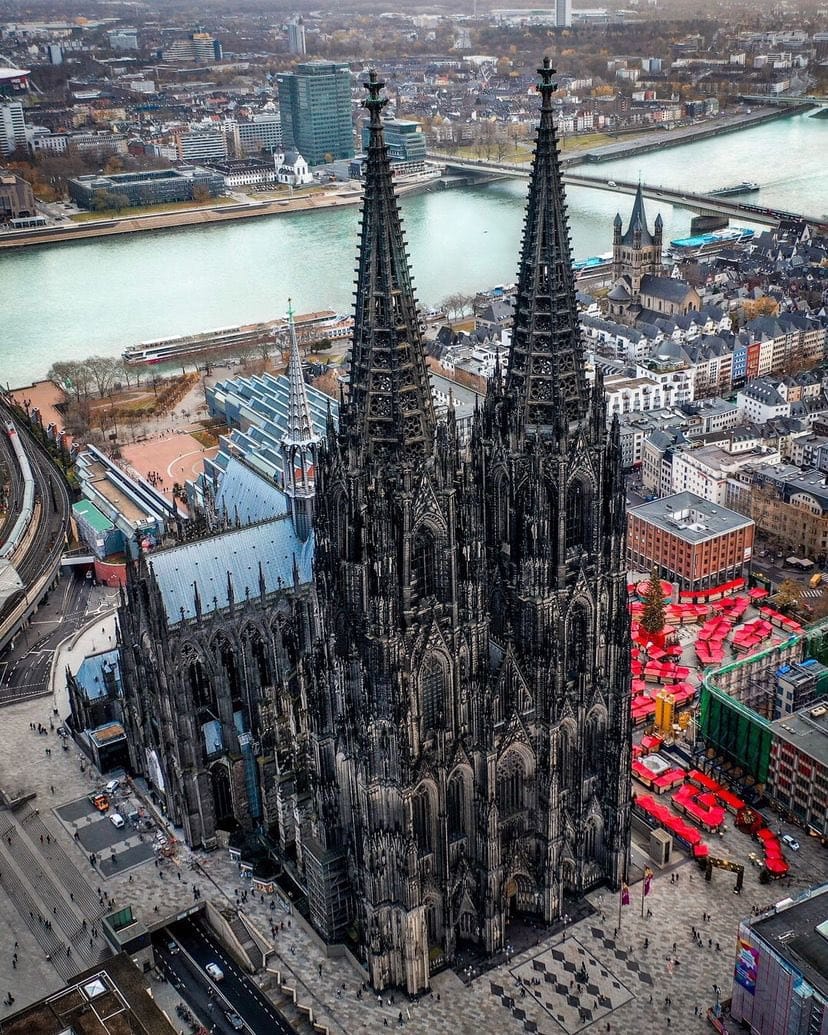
706 204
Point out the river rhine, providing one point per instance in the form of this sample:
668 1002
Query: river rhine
73 300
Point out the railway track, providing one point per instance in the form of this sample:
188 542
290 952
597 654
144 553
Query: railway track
10 470
37 558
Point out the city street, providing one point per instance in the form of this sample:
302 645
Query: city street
24 670
234 992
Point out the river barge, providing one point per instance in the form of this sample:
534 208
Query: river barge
745 187
701 243
310 327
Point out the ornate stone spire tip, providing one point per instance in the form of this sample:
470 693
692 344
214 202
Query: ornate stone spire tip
546 87
373 102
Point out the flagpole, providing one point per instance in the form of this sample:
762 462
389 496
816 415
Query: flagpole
643 893
620 903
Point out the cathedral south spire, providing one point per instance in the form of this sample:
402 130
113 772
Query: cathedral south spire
546 380
389 413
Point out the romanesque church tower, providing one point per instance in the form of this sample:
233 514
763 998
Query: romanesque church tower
636 251
468 744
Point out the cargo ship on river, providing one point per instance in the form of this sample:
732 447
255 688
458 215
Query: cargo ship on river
310 327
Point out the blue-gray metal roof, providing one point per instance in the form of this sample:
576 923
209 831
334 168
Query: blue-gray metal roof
245 495
272 545
92 675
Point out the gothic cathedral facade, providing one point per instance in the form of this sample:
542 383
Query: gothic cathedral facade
436 725
470 694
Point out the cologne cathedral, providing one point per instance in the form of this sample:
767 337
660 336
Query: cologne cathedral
415 677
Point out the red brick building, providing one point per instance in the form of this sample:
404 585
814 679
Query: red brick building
691 541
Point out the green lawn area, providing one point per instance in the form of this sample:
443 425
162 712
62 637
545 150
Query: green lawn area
523 151
146 210
585 140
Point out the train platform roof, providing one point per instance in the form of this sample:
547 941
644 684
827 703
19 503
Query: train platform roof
10 582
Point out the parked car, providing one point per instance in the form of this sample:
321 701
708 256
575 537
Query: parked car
117 820
172 947
215 971
112 786
791 842
234 1020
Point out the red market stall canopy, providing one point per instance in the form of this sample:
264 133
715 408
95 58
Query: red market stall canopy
655 815
730 801
780 621
748 636
665 671
733 607
703 596
699 806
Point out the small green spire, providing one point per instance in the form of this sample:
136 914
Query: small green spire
290 310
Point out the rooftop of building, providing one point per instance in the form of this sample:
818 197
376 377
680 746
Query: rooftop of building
95 673
807 731
798 932
690 517
244 559
87 510
110 999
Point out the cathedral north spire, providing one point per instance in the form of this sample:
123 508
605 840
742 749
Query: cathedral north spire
546 379
389 412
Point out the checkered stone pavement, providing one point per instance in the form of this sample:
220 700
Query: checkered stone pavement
569 983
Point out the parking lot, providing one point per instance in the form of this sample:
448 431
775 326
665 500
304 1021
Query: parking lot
109 848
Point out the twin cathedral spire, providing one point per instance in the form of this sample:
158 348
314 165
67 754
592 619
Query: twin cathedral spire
468 695
433 725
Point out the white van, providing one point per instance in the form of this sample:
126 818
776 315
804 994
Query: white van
112 786
215 971
116 819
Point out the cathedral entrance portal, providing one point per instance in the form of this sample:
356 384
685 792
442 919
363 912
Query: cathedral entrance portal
522 897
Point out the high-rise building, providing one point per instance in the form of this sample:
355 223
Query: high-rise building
201 145
404 138
426 702
315 105
563 14
296 37
199 47
12 127
262 133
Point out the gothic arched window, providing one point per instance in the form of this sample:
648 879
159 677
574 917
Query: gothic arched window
511 778
577 643
423 564
577 527
199 684
433 694
422 820
594 736
456 807
227 656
